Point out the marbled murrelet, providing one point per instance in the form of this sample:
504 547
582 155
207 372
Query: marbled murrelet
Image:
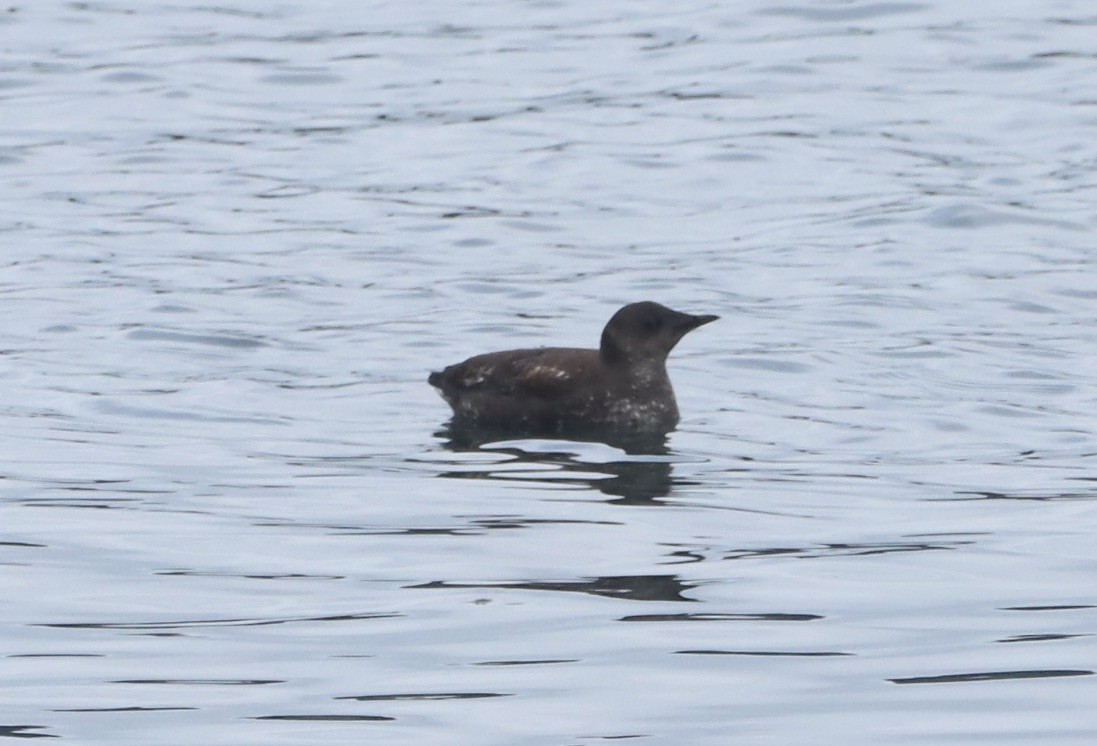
622 387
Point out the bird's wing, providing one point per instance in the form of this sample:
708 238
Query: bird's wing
546 373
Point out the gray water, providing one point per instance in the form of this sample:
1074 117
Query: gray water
237 236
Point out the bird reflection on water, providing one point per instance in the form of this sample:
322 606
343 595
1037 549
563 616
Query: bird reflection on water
642 477
624 587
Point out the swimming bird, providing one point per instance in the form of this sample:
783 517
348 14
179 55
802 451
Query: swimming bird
621 388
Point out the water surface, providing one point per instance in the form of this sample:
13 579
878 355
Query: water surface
238 237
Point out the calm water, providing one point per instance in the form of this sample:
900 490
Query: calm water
236 237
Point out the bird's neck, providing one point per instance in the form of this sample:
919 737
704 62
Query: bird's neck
643 372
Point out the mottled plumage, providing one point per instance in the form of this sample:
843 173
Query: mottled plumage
622 387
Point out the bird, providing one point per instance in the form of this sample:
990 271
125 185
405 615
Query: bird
621 388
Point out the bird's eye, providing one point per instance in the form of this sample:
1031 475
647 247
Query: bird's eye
652 325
